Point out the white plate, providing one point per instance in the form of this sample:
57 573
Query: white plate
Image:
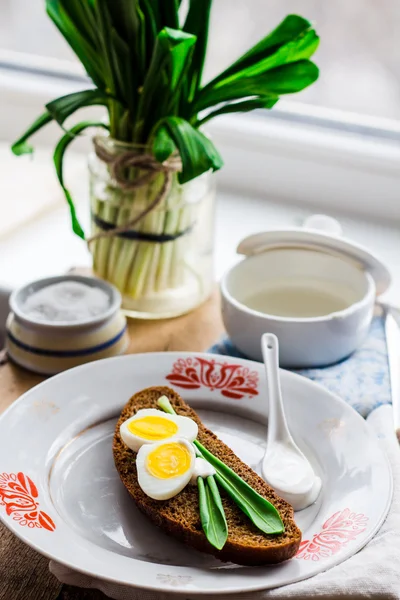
60 492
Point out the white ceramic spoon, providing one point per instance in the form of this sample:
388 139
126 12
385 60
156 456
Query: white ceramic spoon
284 466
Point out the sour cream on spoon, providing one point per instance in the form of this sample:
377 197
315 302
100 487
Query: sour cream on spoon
284 466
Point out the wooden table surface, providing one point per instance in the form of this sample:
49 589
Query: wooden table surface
24 574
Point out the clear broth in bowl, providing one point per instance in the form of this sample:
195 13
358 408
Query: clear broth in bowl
301 298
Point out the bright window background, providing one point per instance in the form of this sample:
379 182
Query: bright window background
359 54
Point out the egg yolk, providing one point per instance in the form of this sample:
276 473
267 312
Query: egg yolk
169 460
153 428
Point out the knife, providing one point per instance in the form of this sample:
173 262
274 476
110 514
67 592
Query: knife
392 330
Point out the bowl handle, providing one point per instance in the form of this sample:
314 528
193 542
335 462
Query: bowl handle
323 224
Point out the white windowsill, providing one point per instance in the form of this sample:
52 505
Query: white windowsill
44 244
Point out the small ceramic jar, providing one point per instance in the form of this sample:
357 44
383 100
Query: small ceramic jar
310 287
49 347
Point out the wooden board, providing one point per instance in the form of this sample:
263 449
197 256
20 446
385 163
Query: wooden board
24 573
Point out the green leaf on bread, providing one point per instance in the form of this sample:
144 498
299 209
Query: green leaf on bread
260 511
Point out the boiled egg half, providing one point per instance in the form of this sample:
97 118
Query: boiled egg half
150 425
165 468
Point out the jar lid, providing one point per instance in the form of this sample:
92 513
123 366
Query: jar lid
321 233
19 297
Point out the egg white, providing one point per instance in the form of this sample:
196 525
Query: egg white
162 489
202 468
187 428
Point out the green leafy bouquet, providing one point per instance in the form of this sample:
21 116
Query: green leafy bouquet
146 61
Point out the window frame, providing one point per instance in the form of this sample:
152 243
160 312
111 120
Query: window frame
337 161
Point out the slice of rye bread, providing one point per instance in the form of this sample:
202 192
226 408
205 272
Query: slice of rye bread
179 516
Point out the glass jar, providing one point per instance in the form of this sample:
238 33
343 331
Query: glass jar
163 263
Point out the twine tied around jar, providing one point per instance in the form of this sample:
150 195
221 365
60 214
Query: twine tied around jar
130 158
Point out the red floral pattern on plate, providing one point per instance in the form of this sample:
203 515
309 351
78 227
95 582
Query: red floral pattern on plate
18 494
234 381
343 527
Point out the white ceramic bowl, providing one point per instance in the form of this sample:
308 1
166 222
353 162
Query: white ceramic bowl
304 342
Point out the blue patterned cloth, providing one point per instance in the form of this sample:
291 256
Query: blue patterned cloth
362 380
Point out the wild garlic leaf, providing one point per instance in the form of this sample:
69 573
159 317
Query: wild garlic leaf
197 152
267 101
61 108
88 53
197 23
212 513
261 512
163 82
285 79
290 29
21 146
58 158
